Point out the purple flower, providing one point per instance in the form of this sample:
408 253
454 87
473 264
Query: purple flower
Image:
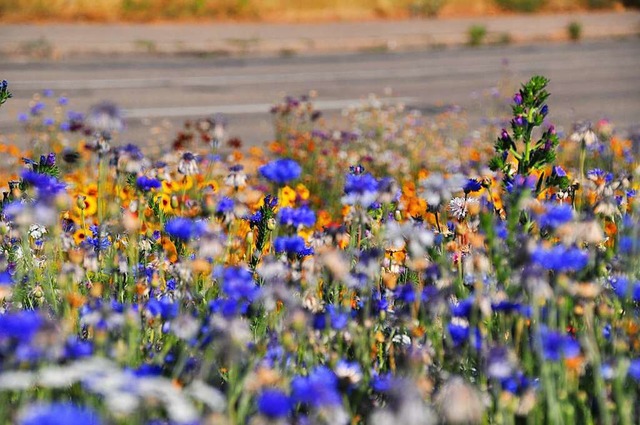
517 99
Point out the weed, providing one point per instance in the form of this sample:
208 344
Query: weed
476 34
574 30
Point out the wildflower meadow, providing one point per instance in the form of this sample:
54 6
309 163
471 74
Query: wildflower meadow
401 270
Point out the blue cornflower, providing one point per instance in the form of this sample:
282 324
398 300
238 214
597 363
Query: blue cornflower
60 413
459 332
238 283
628 245
360 189
339 319
164 307
472 185
184 228
274 403
281 170
75 348
47 186
383 383
555 216
48 121
20 325
405 293
634 369
520 182
303 216
599 175
292 245
556 346
6 279
462 308
147 184
37 109
225 205
560 258
559 171
318 389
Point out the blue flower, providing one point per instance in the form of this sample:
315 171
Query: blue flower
303 216
225 205
472 185
274 403
555 216
560 258
76 348
292 245
46 185
21 325
459 332
556 346
6 279
360 189
62 413
318 389
634 369
165 307
146 184
339 319
238 284
281 170
184 228
383 383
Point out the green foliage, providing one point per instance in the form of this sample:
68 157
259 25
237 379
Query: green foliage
600 4
429 8
529 111
527 6
477 34
574 29
5 94
631 3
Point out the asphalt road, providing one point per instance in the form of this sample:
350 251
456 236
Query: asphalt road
589 80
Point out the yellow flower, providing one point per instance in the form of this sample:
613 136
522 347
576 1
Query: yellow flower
186 183
302 191
287 197
87 204
80 236
209 184
164 202
169 186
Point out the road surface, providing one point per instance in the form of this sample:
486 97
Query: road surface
589 80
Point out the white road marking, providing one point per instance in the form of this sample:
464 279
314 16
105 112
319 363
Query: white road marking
250 108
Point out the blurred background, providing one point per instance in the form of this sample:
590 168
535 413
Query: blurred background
167 61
